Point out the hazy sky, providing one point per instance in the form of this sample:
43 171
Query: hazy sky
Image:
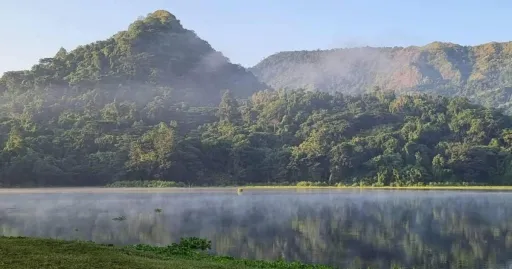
248 30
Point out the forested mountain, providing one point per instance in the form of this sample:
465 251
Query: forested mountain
482 73
83 117
155 51
144 105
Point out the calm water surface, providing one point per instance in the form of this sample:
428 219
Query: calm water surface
343 228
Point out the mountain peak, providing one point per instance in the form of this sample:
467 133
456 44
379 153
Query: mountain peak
162 15
440 45
159 21
156 51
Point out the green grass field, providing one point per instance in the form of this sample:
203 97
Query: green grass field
34 253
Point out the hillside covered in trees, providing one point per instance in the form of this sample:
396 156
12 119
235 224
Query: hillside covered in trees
481 73
155 51
274 137
144 105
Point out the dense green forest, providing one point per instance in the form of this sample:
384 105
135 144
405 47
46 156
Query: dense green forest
146 104
481 73
274 137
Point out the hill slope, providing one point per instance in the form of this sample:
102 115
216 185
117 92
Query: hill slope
154 51
77 117
482 73
106 112
277 137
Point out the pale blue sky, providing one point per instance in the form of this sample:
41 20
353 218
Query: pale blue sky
248 30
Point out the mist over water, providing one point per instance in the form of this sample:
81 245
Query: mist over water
344 228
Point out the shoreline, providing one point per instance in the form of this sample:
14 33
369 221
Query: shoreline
237 189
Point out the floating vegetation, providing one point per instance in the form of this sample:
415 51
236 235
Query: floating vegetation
158 210
120 218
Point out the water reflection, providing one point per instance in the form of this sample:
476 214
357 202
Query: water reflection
348 229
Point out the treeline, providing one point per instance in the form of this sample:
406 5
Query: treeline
278 137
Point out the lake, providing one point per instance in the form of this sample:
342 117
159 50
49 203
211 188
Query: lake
343 228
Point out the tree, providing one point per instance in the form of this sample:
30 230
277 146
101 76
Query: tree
229 110
150 155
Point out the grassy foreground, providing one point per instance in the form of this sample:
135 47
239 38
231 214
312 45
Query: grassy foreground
30 253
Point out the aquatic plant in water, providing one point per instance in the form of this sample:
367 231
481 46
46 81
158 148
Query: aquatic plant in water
120 218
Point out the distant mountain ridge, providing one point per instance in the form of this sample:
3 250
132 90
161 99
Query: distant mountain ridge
154 51
482 73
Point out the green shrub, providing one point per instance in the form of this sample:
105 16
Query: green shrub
311 184
186 246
